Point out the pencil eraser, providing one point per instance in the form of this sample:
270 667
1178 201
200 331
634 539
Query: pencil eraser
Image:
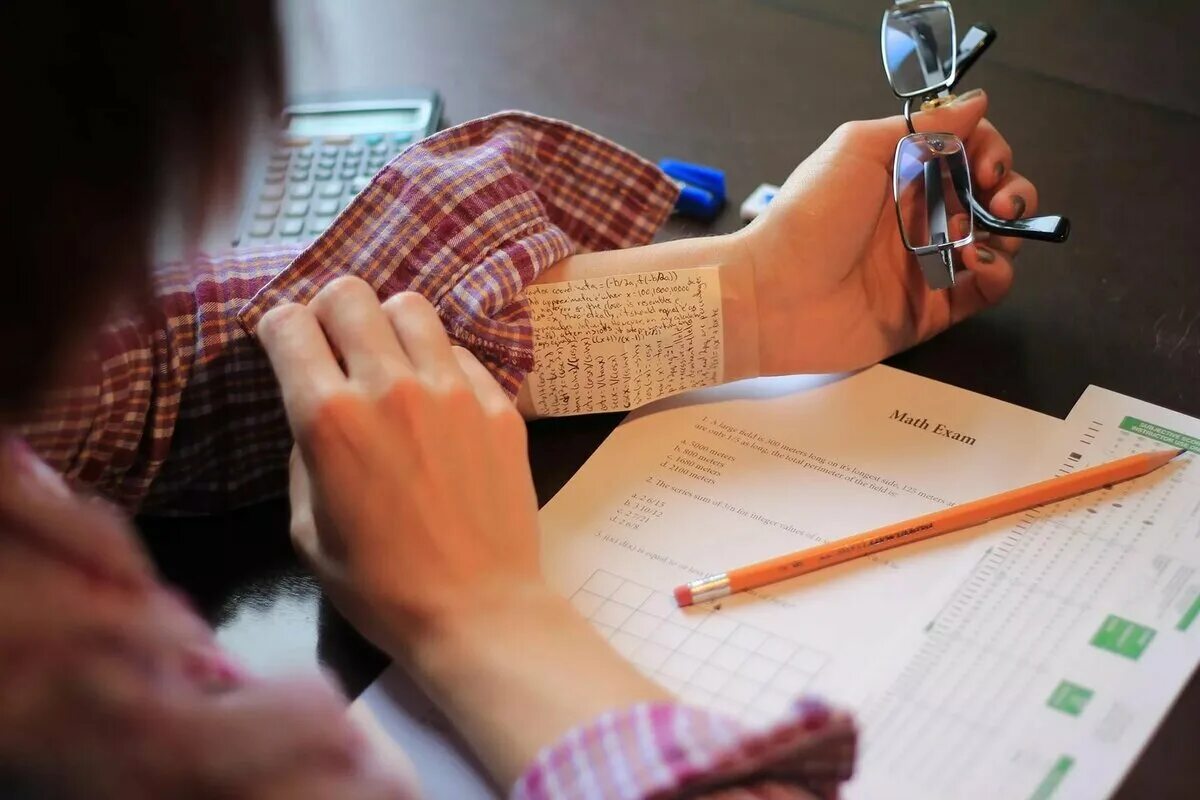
758 201
683 595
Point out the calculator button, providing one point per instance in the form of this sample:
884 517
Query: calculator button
326 208
319 224
273 192
358 184
353 152
262 228
297 208
300 175
280 156
327 150
376 163
267 211
333 189
291 227
324 174
296 141
402 138
276 169
301 190
348 172
374 139
273 178
327 163
379 150
338 140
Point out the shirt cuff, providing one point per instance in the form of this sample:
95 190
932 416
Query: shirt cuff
666 750
473 214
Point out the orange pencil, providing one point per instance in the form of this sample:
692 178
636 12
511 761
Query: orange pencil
948 520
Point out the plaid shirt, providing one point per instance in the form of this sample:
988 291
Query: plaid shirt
178 411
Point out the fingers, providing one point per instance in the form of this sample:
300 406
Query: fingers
492 398
960 117
876 138
417 327
991 156
303 525
303 362
309 727
86 534
1014 198
987 279
349 312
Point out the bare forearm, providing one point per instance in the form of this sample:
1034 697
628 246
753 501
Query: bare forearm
728 253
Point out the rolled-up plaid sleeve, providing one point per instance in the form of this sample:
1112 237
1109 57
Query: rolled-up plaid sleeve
666 750
177 411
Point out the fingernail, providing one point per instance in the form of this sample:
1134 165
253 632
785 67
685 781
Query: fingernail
1000 169
984 255
1018 206
966 97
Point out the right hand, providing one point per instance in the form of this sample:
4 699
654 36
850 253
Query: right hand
410 484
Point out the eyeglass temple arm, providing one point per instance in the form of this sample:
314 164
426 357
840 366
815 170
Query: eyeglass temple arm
1049 228
977 40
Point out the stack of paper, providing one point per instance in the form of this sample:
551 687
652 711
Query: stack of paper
1034 655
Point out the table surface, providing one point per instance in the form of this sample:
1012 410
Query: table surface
1100 99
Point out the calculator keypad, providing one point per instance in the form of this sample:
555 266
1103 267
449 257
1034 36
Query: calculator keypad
307 182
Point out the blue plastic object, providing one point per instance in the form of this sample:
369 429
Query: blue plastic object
701 188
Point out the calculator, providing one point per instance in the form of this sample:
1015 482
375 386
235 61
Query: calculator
327 154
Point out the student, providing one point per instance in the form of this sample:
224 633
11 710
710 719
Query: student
410 486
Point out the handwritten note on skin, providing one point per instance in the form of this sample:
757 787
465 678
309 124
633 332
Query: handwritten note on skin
612 344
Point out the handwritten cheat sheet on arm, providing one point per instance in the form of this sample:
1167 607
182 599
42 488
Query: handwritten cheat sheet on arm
1052 661
612 344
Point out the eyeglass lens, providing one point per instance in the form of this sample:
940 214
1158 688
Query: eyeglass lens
932 185
919 48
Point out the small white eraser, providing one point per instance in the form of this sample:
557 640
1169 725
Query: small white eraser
758 201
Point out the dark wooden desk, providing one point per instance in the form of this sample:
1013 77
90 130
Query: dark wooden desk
1101 101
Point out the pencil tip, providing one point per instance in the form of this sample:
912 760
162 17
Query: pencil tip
1178 453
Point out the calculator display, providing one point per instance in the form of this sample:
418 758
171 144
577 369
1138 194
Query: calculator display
329 153
354 122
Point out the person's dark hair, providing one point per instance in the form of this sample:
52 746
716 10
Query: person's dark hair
129 112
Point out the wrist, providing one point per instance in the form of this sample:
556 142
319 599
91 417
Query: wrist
739 307
465 638
508 674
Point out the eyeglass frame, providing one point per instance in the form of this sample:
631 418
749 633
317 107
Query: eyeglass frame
939 273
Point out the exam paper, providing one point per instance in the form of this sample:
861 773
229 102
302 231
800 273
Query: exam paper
1053 661
703 482
728 476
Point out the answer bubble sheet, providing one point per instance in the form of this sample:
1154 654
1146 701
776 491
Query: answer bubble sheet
1055 658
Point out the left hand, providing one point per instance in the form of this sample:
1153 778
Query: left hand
836 289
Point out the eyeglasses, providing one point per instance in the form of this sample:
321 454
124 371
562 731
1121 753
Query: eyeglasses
936 209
